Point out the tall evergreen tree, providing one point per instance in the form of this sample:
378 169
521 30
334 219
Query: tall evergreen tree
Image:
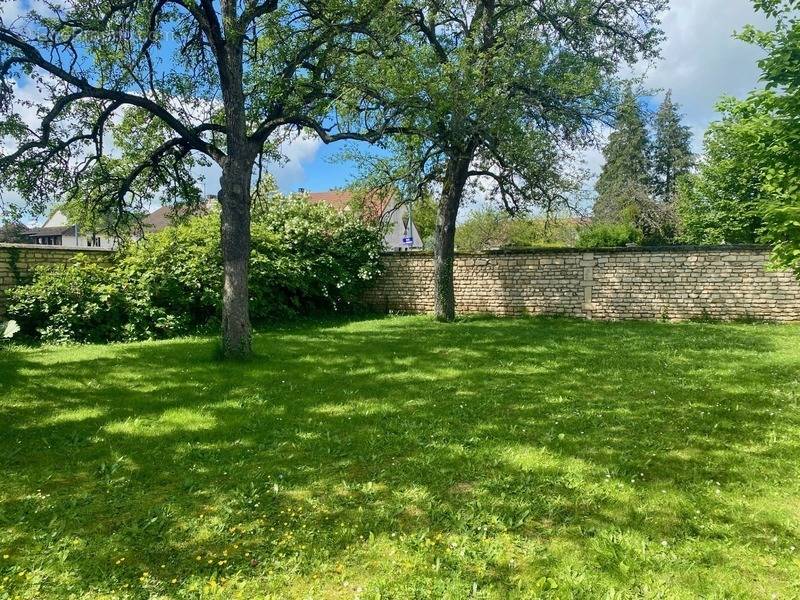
626 173
672 153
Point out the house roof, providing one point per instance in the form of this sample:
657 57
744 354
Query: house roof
158 219
375 204
168 215
42 231
338 199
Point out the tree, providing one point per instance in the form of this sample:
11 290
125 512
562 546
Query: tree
482 230
721 203
492 98
12 232
780 99
747 188
173 83
626 172
672 153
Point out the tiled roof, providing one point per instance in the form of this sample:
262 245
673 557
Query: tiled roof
375 204
338 199
158 219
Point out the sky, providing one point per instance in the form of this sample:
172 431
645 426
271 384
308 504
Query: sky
701 61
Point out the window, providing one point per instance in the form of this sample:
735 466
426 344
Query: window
93 241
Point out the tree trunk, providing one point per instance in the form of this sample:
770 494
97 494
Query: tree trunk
235 241
237 170
445 238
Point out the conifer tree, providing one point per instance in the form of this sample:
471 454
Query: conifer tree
626 173
672 153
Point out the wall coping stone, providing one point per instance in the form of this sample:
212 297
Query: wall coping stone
571 250
57 248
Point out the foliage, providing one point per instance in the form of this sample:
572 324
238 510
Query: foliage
608 235
545 458
722 202
672 155
12 232
304 258
748 186
489 228
79 301
780 70
627 163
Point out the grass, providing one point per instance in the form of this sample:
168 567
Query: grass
401 458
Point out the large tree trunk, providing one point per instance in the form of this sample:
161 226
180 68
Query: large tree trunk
445 238
237 170
235 241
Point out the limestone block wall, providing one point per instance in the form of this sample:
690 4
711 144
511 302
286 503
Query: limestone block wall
17 262
674 283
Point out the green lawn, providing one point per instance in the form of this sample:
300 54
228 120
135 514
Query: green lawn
401 458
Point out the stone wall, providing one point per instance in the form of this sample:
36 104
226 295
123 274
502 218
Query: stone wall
675 283
17 262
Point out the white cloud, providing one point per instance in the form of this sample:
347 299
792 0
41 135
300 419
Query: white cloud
702 61
299 151
10 10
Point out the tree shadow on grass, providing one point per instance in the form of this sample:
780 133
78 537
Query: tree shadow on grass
591 442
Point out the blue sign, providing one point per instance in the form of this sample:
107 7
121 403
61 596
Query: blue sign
408 241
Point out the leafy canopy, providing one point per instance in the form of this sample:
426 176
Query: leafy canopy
503 90
131 97
748 187
722 202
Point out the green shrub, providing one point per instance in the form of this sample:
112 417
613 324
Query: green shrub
304 258
75 301
492 228
608 235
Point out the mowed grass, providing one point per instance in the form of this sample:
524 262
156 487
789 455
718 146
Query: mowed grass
402 458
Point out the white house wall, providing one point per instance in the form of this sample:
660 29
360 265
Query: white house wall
393 240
